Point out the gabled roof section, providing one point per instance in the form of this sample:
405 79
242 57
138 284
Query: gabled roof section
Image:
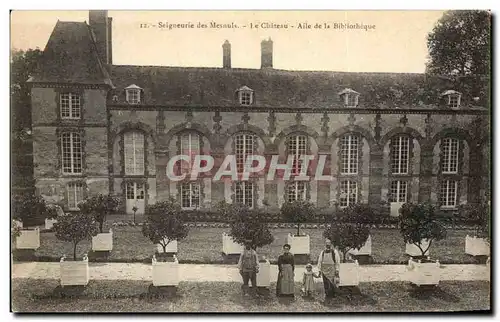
450 92
71 57
245 88
133 86
348 91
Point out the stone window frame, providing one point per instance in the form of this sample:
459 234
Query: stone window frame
255 148
445 176
71 96
453 98
255 189
348 180
406 177
201 185
181 194
407 182
245 96
84 186
67 90
308 148
59 165
122 152
136 90
350 176
350 98
178 143
137 180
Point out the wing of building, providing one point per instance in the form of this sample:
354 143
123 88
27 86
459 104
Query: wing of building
105 128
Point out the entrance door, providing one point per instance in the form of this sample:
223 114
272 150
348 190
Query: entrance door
135 197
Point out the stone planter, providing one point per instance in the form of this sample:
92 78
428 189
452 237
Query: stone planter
74 272
412 249
165 273
366 250
29 239
423 273
229 246
103 242
349 274
264 275
300 245
395 206
49 223
476 246
171 247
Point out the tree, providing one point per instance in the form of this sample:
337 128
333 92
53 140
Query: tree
347 236
459 44
419 222
74 228
249 226
30 209
99 206
300 211
164 223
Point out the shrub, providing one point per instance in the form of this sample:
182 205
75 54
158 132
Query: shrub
164 223
298 212
421 221
347 236
249 225
30 209
15 230
74 228
54 211
99 206
477 214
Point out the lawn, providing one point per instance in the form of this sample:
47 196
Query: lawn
30 295
204 245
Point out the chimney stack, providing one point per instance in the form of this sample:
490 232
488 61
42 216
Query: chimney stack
226 54
101 27
266 54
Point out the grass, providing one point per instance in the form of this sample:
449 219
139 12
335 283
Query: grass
30 295
204 245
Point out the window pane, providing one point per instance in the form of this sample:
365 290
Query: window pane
449 148
75 194
70 105
190 195
244 146
400 154
71 153
449 193
133 143
348 193
349 154
399 191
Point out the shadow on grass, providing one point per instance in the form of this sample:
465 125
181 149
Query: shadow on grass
351 296
430 291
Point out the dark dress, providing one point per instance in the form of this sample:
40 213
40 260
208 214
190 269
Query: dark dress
285 285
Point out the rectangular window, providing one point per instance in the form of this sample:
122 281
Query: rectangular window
400 154
454 101
190 195
296 191
449 193
71 146
349 154
297 146
134 153
399 191
133 96
350 100
75 195
134 191
245 98
449 148
70 106
348 193
190 145
244 193
244 146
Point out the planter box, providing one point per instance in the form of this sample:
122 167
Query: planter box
423 273
29 239
229 246
171 247
165 273
264 275
349 274
74 272
476 246
299 244
49 223
412 249
103 242
366 250
395 206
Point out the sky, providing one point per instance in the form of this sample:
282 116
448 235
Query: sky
397 43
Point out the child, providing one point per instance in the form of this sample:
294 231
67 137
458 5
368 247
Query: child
308 280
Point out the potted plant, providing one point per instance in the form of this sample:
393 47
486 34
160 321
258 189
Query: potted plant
164 223
249 226
420 225
477 214
363 215
74 228
28 210
100 206
298 212
54 211
228 212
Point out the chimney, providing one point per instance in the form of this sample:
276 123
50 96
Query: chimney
226 54
101 27
266 60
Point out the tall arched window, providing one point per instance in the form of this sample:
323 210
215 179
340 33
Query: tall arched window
297 147
400 168
133 142
349 154
244 145
448 197
189 145
244 193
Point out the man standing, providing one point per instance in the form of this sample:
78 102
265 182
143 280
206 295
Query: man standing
328 267
248 265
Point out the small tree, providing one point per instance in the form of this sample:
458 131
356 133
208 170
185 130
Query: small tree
300 211
164 223
99 206
478 214
74 228
249 225
15 230
347 236
30 209
419 222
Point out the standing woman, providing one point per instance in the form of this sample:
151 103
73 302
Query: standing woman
285 285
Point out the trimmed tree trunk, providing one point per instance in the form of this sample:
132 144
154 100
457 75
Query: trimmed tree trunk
74 250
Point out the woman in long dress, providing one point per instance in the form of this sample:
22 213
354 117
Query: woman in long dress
285 285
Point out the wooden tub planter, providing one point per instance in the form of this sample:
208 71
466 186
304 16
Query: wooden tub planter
264 274
229 246
165 270
29 239
365 250
300 245
171 247
103 242
49 223
423 273
74 272
414 251
476 246
349 274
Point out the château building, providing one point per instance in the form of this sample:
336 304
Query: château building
105 128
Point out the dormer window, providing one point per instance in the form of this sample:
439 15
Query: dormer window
349 97
133 94
452 98
245 95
